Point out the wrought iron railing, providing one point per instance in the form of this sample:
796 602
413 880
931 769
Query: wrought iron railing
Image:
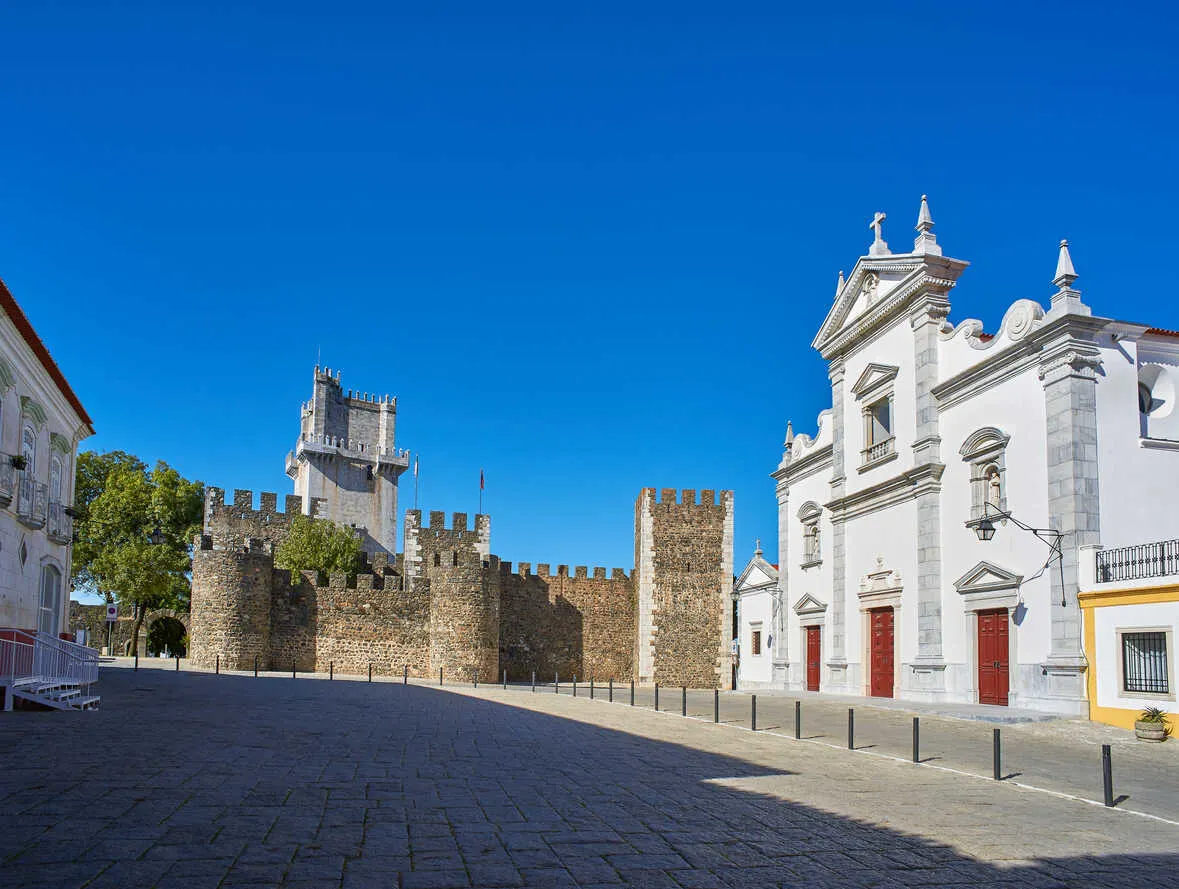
879 450
7 478
1138 562
60 525
32 500
25 656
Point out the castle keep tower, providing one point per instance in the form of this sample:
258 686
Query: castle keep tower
346 456
684 571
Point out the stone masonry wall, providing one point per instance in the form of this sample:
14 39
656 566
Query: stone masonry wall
231 593
691 589
572 625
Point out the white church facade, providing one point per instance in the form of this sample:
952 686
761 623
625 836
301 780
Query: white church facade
918 527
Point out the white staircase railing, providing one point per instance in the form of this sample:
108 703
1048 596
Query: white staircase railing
42 662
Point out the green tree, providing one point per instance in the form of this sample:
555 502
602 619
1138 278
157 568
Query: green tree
319 545
121 507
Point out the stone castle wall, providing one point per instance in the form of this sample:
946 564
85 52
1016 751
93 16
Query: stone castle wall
448 604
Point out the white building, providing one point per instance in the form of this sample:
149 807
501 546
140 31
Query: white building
41 423
1059 420
756 600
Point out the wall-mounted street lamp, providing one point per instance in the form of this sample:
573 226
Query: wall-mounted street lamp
156 537
985 529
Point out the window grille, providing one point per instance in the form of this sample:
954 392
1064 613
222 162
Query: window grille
1144 663
756 642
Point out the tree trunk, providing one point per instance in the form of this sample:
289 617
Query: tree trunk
140 614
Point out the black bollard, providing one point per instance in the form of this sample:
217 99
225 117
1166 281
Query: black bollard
534 680
136 661
439 675
475 676
851 729
255 666
632 692
505 680
656 697
611 689
177 663
716 705
405 675
683 700
292 668
331 669
916 739
1107 774
218 668
997 756
591 688
556 683
797 720
370 672
753 713
574 685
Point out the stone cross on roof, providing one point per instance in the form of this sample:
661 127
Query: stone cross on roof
879 245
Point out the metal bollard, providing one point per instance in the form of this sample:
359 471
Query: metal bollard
177 663
370 672
574 685
292 668
851 729
534 680
997 756
255 666
405 675
136 661
505 680
331 669
1107 774
753 713
797 720
683 700
611 689
439 675
591 688
656 697
632 692
916 739
475 676
218 667
556 683
716 705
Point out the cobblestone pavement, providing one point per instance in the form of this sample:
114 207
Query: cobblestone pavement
193 780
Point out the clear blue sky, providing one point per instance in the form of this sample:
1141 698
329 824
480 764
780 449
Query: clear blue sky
587 245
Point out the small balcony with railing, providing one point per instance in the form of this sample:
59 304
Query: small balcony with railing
32 500
7 479
1140 562
878 452
60 526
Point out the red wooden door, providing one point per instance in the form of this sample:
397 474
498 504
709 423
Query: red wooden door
993 668
813 653
881 652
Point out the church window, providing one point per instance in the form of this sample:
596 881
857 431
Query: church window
812 550
985 452
878 437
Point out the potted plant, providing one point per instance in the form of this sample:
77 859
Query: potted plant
1152 725
19 461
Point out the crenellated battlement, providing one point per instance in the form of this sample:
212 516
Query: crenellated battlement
580 572
243 503
459 522
365 400
686 497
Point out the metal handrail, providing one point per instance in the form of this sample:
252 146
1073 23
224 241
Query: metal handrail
45 657
1137 562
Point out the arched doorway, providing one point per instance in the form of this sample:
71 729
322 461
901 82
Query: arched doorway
168 635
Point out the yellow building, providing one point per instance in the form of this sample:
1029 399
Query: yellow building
1129 600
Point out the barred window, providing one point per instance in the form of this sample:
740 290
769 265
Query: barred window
756 647
1144 663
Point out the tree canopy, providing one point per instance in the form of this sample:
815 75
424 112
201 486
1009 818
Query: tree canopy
120 504
319 545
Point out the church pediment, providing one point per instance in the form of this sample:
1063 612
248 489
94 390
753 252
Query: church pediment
809 605
874 376
986 577
758 574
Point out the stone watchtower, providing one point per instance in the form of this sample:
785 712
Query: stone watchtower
346 457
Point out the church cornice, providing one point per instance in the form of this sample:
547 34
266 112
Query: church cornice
803 467
923 479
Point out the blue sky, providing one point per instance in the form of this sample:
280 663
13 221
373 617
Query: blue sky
588 248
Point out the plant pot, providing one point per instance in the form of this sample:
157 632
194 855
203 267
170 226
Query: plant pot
1150 731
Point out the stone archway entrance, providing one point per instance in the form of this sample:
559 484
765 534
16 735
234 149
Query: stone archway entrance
151 619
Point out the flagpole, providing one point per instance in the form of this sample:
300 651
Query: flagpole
416 470
480 512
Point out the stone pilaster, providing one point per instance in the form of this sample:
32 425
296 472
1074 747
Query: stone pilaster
838 660
781 650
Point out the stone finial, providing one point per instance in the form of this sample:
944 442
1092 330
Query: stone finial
757 548
926 241
879 245
1065 273
789 442
839 284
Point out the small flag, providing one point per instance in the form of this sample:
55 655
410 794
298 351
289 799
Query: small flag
481 480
